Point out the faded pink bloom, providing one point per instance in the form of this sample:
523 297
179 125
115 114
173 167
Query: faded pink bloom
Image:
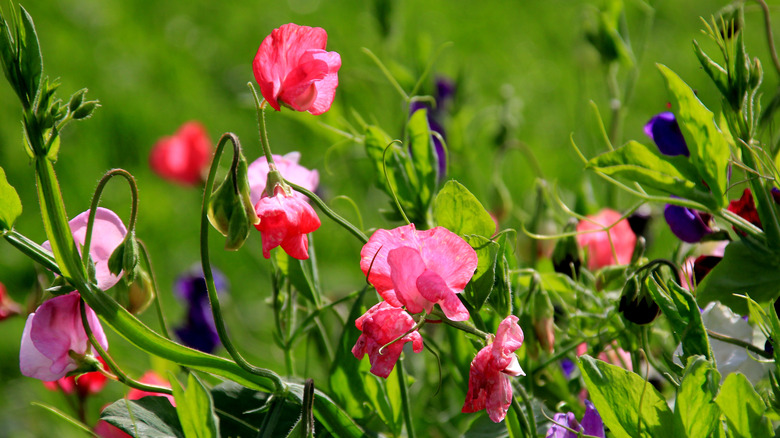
380 325
418 269
612 354
8 307
284 221
293 68
288 166
106 430
182 157
108 232
86 384
598 245
54 334
489 386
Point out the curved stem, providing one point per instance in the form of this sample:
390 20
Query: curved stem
769 37
279 385
460 325
328 212
158 304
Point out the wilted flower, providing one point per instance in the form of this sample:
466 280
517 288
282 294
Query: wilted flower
54 342
666 134
198 331
600 244
489 385
86 384
380 325
293 68
182 157
591 424
288 166
285 219
418 269
108 232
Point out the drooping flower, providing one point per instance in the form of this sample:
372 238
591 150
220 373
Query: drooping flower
666 134
8 307
418 269
85 385
687 224
182 157
293 69
108 232
380 325
198 330
489 385
54 338
599 244
591 424
284 221
288 166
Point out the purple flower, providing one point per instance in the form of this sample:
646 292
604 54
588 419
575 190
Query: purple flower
445 94
198 331
591 424
688 225
666 134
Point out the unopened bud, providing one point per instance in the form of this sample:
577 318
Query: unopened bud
125 258
85 110
140 294
566 256
76 99
636 304
543 320
230 209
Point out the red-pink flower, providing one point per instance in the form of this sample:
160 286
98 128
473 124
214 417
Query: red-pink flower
8 307
285 219
418 269
182 157
381 324
489 385
108 232
599 244
293 68
54 337
288 166
611 354
86 384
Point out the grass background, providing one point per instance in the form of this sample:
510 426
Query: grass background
156 65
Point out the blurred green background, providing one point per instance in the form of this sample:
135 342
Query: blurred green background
525 65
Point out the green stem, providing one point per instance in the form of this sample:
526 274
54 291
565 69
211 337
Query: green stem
521 415
260 106
32 250
739 343
528 407
279 385
157 302
770 39
330 213
460 325
405 402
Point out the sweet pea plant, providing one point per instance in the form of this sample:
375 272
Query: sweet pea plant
502 343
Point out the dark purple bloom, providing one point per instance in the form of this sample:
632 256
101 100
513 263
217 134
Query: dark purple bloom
591 424
688 225
666 134
198 330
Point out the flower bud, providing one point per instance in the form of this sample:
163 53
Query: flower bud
85 110
76 99
566 256
125 258
140 294
636 305
230 209
543 320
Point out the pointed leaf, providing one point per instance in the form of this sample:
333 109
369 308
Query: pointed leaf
195 408
10 204
481 284
423 156
695 411
32 61
459 211
151 416
743 408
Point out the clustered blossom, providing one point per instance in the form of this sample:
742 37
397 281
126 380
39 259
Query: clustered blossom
380 325
293 69
599 245
591 424
489 385
182 157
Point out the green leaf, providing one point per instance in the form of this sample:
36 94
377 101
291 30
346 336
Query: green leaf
717 73
635 162
241 410
456 209
744 271
481 284
385 396
628 405
682 311
423 156
484 427
32 61
10 204
151 416
195 408
709 150
695 411
300 274
743 408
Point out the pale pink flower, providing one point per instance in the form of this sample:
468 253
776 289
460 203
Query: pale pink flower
108 232
418 269
489 385
380 325
293 68
611 354
599 244
284 221
53 335
182 157
288 166
85 385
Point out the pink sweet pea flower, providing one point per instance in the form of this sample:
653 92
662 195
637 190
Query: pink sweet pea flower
108 232
380 325
182 157
285 219
611 354
599 244
489 386
288 166
293 68
54 334
418 269
85 385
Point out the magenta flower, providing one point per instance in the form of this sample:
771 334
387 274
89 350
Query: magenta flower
380 325
591 424
293 68
108 232
284 221
418 269
54 338
288 166
599 244
182 157
489 386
